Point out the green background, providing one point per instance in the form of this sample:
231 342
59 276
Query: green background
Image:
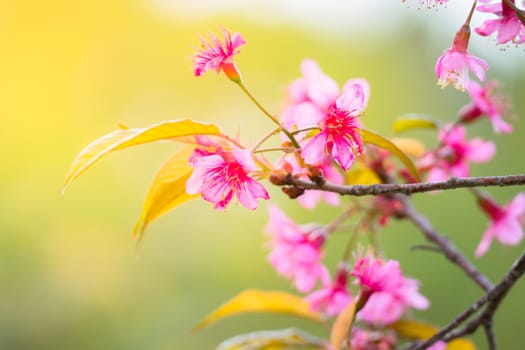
70 274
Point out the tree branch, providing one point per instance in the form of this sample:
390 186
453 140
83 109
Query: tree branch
377 189
492 299
450 251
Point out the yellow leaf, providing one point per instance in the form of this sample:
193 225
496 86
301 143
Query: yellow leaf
359 174
380 141
414 329
123 138
342 326
412 147
461 344
254 300
167 190
409 123
272 340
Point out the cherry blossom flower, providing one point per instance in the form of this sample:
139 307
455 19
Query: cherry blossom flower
486 102
333 297
508 25
453 66
361 339
219 176
309 97
454 154
505 222
389 293
339 134
214 55
296 251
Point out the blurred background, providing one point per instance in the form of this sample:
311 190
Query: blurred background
70 72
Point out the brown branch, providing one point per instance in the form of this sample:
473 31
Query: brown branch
492 299
450 251
377 189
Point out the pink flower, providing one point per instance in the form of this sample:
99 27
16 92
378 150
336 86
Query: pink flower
333 297
213 55
485 102
219 176
339 134
309 97
508 25
454 154
296 253
361 339
505 222
452 67
390 293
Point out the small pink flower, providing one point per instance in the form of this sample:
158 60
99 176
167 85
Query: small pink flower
213 55
505 222
219 176
390 293
361 339
339 134
296 252
333 297
453 66
508 25
486 102
454 154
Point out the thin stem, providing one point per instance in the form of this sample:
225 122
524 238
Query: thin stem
351 241
273 149
519 13
269 115
472 9
295 132
334 225
265 137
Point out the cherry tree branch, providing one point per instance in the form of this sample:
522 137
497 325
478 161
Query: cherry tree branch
492 299
377 189
447 247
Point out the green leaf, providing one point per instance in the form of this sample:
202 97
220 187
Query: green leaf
416 122
123 138
380 141
272 340
360 174
342 325
253 300
167 190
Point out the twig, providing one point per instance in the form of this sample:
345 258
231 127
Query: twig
450 251
377 189
492 298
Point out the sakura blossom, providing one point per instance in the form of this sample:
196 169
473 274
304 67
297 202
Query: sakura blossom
389 293
339 134
296 250
333 297
361 339
215 55
454 154
220 176
485 101
505 222
508 25
453 66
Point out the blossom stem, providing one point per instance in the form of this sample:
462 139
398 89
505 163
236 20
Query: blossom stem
295 132
472 9
269 115
264 139
272 149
